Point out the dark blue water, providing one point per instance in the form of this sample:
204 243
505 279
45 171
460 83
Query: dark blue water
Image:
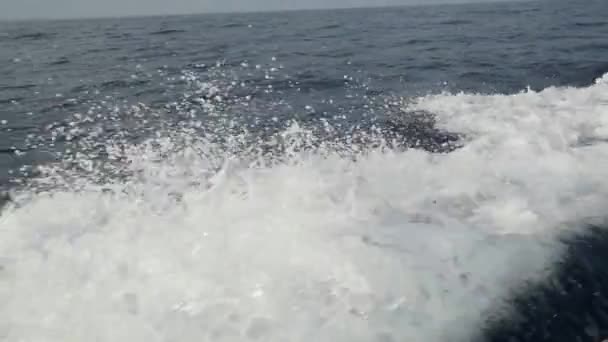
54 68
74 91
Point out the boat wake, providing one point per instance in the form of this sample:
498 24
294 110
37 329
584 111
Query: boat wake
194 236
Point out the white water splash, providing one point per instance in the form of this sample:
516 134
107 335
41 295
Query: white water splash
196 245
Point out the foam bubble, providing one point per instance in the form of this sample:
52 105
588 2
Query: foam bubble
193 242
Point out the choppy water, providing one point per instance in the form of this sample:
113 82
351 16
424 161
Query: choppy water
403 174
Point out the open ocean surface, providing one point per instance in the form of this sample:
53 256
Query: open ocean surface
424 174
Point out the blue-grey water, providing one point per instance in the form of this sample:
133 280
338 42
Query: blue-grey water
424 173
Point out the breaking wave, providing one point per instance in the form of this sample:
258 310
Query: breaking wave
204 235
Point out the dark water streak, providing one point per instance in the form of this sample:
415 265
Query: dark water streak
572 305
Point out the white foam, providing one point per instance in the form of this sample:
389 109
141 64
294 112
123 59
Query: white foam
397 246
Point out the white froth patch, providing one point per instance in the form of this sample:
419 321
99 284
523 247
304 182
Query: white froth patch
550 146
398 246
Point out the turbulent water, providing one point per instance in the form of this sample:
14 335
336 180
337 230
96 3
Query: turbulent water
405 174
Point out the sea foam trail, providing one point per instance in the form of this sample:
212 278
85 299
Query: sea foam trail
389 246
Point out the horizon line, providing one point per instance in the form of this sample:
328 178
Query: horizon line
266 11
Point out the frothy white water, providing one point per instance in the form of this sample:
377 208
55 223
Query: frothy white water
396 246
